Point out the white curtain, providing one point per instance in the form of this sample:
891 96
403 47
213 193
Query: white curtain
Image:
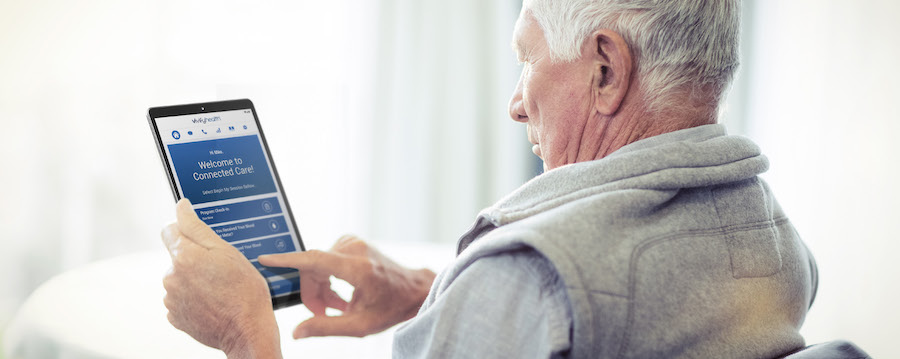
444 72
386 118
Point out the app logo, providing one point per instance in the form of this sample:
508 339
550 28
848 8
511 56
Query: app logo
279 243
202 130
267 207
273 225
245 127
230 128
176 135
190 133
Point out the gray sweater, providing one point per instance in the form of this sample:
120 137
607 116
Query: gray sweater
669 247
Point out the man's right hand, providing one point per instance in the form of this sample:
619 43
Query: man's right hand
385 293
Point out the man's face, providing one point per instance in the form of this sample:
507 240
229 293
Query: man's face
552 99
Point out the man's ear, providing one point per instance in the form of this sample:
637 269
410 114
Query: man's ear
612 70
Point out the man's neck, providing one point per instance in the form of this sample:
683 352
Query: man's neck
605 134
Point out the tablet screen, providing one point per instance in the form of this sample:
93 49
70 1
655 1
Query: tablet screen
219 161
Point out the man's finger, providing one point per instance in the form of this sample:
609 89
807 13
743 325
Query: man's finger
317 262
192 227
170 234
333 300
322 326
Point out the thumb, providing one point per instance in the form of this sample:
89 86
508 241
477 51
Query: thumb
322 326
192 227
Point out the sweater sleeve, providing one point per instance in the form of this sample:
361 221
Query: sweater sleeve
508 305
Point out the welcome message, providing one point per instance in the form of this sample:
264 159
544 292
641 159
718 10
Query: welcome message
233 169
222 168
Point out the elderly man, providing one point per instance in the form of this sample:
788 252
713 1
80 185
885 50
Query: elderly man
649 235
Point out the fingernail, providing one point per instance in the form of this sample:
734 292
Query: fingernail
300 333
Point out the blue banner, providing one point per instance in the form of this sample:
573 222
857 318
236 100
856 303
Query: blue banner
251 229
235 211
253 249
222 169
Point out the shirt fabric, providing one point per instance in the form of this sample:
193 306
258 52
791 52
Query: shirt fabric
669 247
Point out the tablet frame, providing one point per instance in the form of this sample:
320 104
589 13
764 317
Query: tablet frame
154 113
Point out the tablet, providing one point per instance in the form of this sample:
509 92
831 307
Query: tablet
215 155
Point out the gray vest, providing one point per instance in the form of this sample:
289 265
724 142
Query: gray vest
670 247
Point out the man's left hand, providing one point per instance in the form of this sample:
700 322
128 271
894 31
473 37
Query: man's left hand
214 294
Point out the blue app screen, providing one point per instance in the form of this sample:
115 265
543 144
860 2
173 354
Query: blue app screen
221 166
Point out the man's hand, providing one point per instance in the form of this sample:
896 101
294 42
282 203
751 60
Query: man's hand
384 294
214 294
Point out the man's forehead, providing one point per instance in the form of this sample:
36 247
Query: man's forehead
519 31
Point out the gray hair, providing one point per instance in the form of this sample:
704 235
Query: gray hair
677 44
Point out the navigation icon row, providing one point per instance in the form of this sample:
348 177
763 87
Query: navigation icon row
177 134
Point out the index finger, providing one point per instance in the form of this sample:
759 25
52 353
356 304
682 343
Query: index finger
319 262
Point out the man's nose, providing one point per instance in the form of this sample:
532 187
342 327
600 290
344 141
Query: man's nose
516 105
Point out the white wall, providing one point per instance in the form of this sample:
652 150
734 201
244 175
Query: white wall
822 83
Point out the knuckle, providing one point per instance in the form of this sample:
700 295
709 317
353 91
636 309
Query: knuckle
169 303
169 229
357 245
348 243
170 282
179 262
347 238
173 244
366 268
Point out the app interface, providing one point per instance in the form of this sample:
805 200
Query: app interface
221 166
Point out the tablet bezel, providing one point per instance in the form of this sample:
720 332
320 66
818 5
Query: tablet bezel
206 107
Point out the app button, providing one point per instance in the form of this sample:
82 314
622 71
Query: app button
273 225
267 207
245 127
190 133
176 135
280 245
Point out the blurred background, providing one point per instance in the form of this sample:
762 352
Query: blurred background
388 119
